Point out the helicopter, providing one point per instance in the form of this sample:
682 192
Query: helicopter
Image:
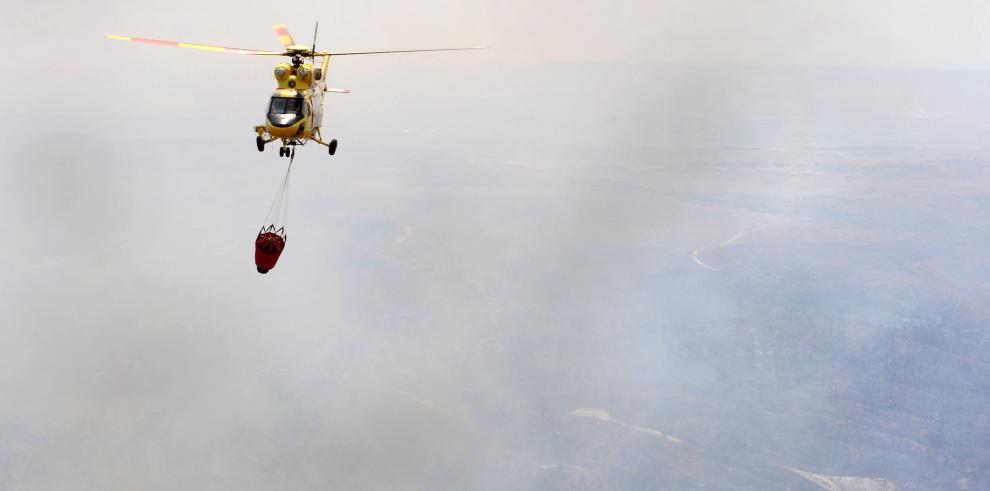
295 109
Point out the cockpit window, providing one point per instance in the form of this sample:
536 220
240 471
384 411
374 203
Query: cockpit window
285 105
286 111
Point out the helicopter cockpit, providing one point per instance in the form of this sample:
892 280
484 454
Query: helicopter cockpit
286 111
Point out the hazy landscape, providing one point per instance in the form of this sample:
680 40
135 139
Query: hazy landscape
513 275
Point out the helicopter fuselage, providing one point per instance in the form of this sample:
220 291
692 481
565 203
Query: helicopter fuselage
295 109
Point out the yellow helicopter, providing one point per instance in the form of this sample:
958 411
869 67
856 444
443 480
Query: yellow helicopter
295 111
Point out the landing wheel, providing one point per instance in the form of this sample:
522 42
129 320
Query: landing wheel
332 147
281 151
261 144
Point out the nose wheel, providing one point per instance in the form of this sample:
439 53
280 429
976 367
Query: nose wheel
261 144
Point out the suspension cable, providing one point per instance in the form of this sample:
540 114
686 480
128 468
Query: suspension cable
278 212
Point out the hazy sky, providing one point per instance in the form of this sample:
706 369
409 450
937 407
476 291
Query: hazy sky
877 33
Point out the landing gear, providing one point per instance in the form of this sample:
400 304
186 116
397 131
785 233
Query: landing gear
261 144
331 146
281 151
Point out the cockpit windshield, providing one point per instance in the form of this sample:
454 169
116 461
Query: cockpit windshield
286 111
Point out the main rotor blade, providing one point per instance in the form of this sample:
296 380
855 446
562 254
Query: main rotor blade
397 51
283 35
204 47
315 30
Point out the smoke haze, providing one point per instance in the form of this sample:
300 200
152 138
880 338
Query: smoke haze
647 245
